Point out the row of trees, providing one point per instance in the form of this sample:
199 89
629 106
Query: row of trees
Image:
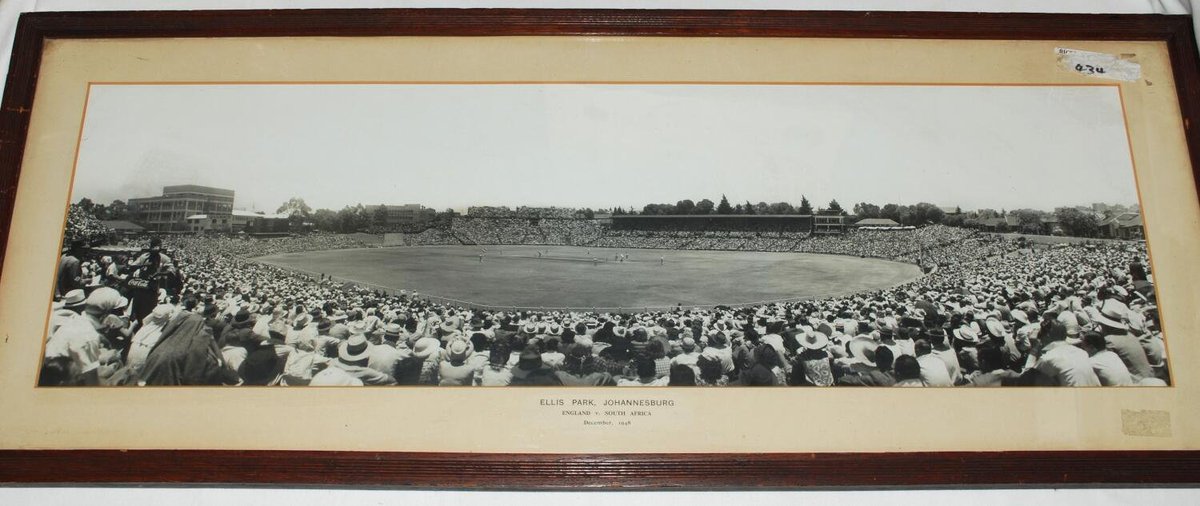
117 210
347 220
1069 220
706 206
1078 223
918 214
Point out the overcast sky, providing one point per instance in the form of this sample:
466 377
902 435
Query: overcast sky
604 145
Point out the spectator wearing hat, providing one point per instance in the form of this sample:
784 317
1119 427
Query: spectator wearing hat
962 293
239 339
147 336
94 339
353 357
371 320
456 368
530 371
1112 322
303 328
743 354
240 331
864 368
1152 343
689 357
66 309
324 339
70 270
384 356
661 335
718 343
112 310
619 338
1061 363
304 362
967 340
428 350
812 366
887 338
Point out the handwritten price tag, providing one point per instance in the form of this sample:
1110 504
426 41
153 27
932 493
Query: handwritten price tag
1101 65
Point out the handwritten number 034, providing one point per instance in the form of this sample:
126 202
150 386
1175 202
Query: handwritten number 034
1088 69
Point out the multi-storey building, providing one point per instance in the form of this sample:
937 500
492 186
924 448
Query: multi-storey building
169 212
406 214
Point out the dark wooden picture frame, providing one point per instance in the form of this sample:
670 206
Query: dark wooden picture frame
525 471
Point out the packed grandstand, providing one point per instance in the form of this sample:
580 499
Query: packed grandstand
989 311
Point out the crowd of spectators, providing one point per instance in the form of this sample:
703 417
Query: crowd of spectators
522 212
84 226
242 246
198 311
926 245
428 237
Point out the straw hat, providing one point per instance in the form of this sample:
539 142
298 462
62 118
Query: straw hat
814 340
354 350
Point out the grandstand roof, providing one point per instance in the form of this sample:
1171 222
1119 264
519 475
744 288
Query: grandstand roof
876 222
252 214
1125 220
122 225
239 212
993 222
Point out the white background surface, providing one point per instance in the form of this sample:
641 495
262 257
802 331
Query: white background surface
10 9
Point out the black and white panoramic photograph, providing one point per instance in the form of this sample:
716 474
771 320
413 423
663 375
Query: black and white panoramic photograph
575 234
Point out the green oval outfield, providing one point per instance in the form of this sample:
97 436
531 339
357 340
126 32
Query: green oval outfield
584 278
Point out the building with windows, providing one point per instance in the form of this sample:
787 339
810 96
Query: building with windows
406 214
1124 226
829 224
170 211
237 221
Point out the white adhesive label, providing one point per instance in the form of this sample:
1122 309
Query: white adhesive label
1102 65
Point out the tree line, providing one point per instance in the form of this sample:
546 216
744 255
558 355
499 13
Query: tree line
706 206
117 210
